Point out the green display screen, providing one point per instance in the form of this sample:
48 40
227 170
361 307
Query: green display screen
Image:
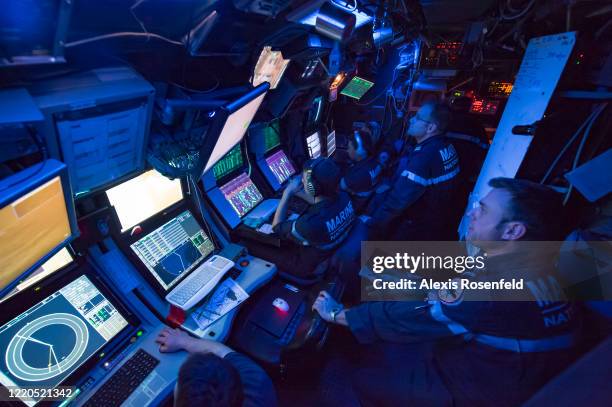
357 87
272 135
231 162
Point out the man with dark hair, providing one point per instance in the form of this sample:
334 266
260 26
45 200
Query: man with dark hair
207 380
363 174
534 207
461 342
417 204
215 375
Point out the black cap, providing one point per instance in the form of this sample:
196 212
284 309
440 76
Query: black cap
326 173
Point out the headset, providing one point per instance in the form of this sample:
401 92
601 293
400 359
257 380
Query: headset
313 186
363 148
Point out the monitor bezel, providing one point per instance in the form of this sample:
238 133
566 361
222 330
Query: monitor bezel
26 299
173 205
125 239
59 39
220 117
28 180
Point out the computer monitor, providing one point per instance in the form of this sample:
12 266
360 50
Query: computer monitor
313 143
37 219
230 125
280 166
331 143
242 194
59 260
315 113
173 249
270 67
272 135
228 164
141 197
43 342
33 32
357 87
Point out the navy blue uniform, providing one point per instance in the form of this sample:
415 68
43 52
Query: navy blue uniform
323 226
360 181
257 387
422 193
316 233
486 352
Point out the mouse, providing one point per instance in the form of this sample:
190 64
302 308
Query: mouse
281 304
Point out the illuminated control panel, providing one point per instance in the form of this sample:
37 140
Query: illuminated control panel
314 145
484 106
242 194
499 89
231 162
280 166
442 55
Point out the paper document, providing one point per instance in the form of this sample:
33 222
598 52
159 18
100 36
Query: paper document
226 297
266 228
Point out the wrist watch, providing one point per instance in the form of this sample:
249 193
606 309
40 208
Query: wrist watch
335 313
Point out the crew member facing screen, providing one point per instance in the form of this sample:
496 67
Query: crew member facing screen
324 225
363 175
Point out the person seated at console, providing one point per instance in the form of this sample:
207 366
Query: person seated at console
320 229
453 349
363 175
216 375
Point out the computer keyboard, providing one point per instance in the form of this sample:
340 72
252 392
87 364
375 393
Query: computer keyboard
124 381
199 283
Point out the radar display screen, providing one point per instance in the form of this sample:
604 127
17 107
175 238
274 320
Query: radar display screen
45 344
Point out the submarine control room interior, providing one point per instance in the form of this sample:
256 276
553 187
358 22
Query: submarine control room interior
186 187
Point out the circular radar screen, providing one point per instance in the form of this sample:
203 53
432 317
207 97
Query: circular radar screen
47 347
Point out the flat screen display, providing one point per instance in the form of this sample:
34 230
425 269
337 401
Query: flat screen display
141 197
331 143
280 166
171 251
230 163
272 135
233 130
314 145
31 227
242 194
33 31
357 87
46 343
